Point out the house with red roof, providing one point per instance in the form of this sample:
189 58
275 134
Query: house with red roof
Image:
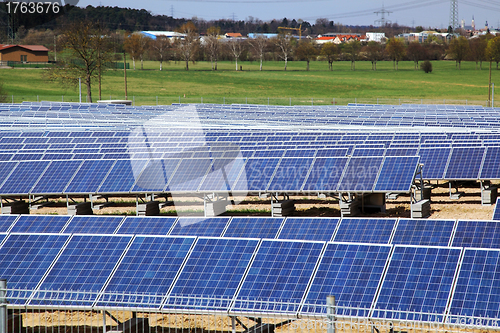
24 53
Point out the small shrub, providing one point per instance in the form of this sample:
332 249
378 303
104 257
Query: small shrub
426 66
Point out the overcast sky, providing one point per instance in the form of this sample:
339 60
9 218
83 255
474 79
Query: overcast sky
426 13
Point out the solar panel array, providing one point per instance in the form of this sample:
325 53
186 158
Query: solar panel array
419 272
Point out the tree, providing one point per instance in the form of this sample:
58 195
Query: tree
330 51
493 50
136 45
306 51
235 46
259 44
396 49
159 49
212 45
351 49
88 51
415 52
478 51
188 45
374 52
285 45
459 49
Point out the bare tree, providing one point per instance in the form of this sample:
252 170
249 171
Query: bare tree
285 45
188 45
416 52
235 46
306 51
478 51
259 45
459 49
395 47
136 45
374 52
160 47
212 44
351 49
330 51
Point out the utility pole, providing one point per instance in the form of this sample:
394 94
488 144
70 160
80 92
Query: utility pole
454 15
382 22
125 73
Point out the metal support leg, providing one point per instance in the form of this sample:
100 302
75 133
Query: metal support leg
3 306
330 304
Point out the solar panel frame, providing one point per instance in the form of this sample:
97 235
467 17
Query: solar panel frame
360 174
85 224
308 229
89 177
472 157
396 174
38 224
365 230
23 177
258 227
200 226
477 234
146 225
424 232
6 222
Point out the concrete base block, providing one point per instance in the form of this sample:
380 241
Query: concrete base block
84 208
425 194
349 208
215 208
489 196
151 208
133 325
421 209
283 208
16 207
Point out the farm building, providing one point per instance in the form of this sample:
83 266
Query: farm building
24 53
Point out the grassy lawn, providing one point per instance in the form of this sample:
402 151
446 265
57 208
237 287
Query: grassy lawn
295 86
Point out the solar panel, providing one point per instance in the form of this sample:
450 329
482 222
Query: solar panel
85 264
56 177
258 173
6 221
290 174
155 175
476 292
254 227
40 223
365 230
149 267
496 211
280 271
150 225
423 232
419 280
491 167
368 152
24 258
189 174
93 224
89 176
434 162
23 177
200 226
360 174
352 273
214 268
397 174
223 174
122 176
482 234
401 152
325 174
465 163
312 229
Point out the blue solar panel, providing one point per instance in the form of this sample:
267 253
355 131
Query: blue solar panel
335 152
352 273
360 174
423 232
418 279
397 174
483 234
491 167
496 212
477 291
257 174
89 176
313 229
434 161
146 225
200 226
56 177
189 174
85 264
214 269
24 258
254 227
155 175
361 230
325 174
465 163
93 224
223 174
122 176
6 221
40 223
401 152
23 177
290 174
368 152
149 267
281 271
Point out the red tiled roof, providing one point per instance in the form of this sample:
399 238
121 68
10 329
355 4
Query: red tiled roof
234 34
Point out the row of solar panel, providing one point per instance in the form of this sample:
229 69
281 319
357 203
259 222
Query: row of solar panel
461 233
355 174
372 278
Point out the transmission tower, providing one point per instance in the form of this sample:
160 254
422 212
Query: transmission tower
454 15
382 21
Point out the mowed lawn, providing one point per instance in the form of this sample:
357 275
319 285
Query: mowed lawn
227 85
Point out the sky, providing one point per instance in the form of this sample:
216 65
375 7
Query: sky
425 13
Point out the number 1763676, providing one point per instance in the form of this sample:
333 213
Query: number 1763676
33 7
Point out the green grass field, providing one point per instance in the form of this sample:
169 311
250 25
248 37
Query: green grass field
273 85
